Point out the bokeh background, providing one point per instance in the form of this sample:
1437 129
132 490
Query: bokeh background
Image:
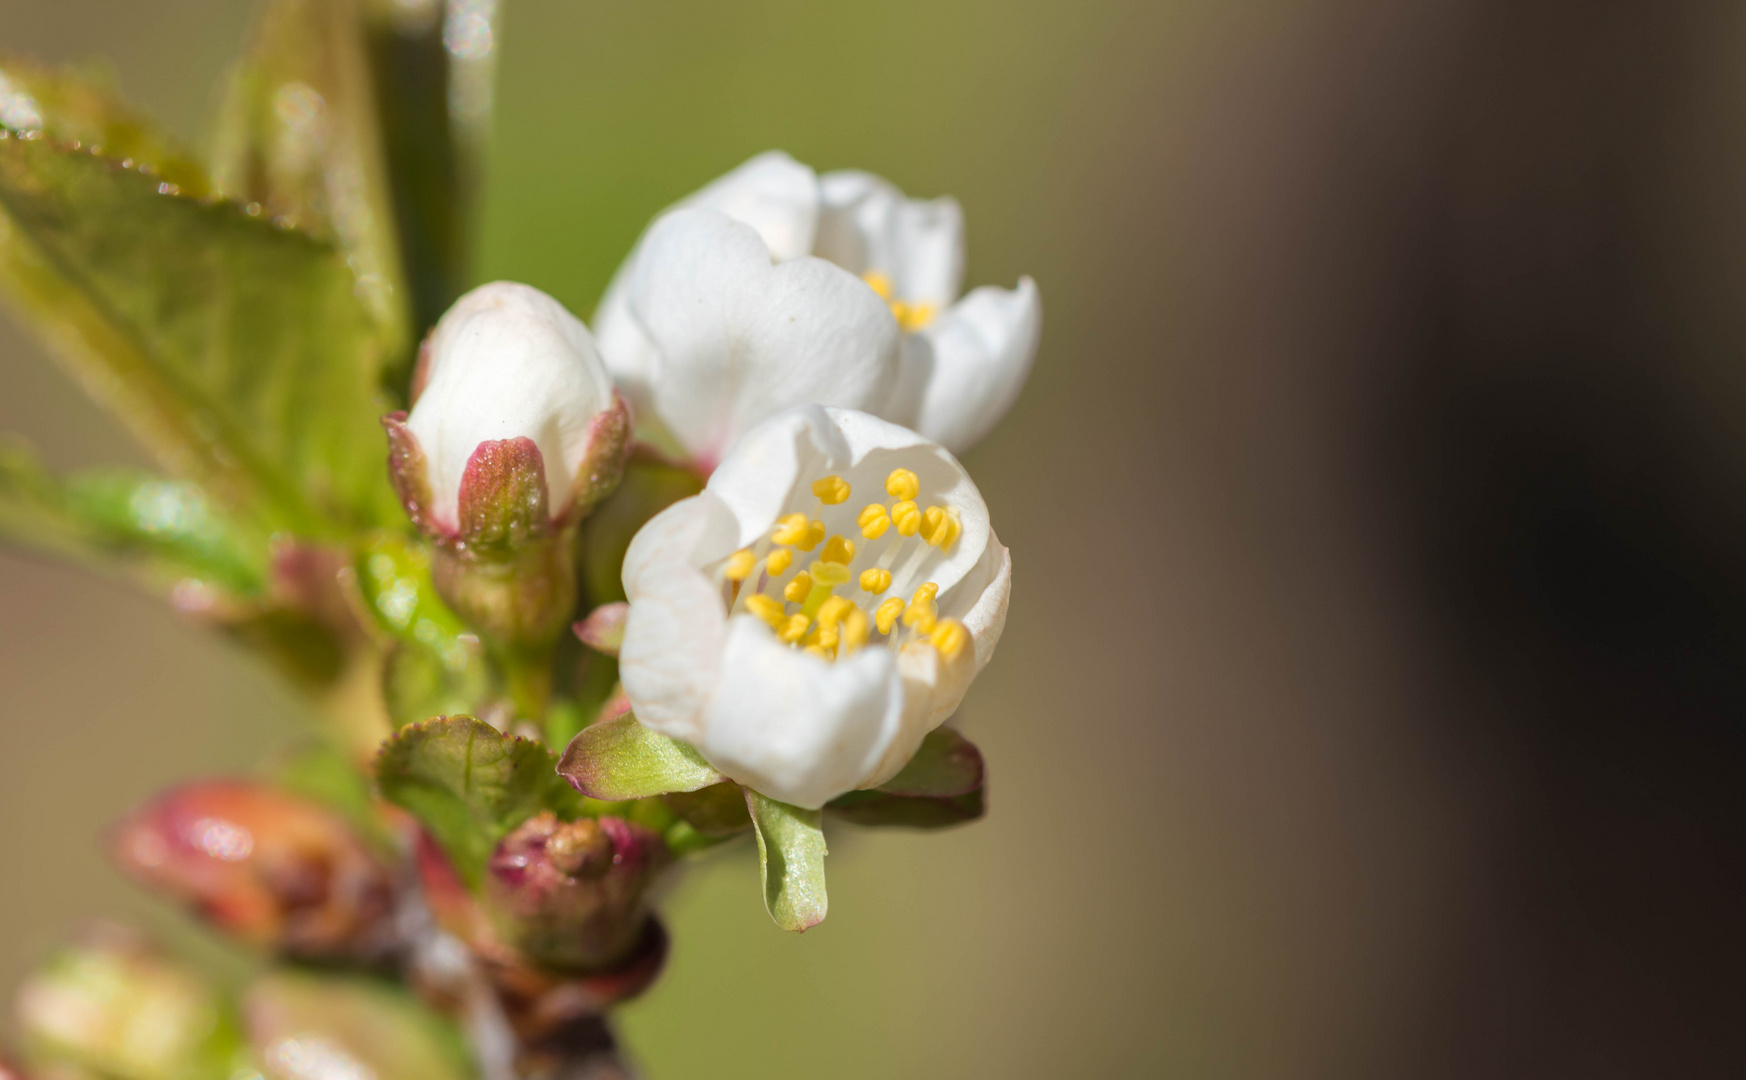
1372 698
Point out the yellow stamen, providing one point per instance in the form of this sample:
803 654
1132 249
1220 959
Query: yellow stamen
927 591
739 565
912 317
796 591
879 283
902 484
767 608
887 615
854 631
875 580
794 629
906 517
873 521
790 530
838 549
832 611
815 532
820 651
921 619
940 526
831 490
778 561
949 636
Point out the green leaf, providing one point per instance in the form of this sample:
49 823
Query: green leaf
946 764
348 1026
791 852
237 350
74 107
419 682
469 784
620 759
879 808
166 530
298 135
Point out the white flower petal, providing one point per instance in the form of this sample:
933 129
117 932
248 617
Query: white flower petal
508 361
963 371
867 225
775 195
772 193
793 727
676 629
740 338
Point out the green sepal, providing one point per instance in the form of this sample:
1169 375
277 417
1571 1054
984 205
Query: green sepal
236 350
165 530
945 765
791 853
620 759
470 784
717 811
373 1027
881 809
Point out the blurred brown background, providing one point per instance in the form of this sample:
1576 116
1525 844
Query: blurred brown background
1371 704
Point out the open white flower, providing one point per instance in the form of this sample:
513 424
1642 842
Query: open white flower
507 377
775 287
818 609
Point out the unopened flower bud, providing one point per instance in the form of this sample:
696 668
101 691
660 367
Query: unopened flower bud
315 1027
516 433
112 1007
272 869
571 895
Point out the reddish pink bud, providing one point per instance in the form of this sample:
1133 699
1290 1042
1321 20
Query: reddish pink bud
570 895
273 869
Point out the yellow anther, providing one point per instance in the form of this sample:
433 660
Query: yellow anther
767 608
832 611
778 561
921 619
906 517
875 580
795 629
949 636
739 565
815 532
879 283
902 484
873 521
912 317
940 526
831 490
925 592
795 592
820 651
854 631
790 530
887 615
830 574
838 549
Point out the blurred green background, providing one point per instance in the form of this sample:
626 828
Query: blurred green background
1282 730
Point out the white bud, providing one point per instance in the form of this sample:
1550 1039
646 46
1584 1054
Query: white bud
506 362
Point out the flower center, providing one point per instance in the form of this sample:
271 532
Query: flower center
898 539
911 317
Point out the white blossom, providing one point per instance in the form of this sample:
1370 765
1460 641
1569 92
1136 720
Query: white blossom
775 287
820 607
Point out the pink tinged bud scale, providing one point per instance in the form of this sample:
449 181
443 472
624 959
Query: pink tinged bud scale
269 868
